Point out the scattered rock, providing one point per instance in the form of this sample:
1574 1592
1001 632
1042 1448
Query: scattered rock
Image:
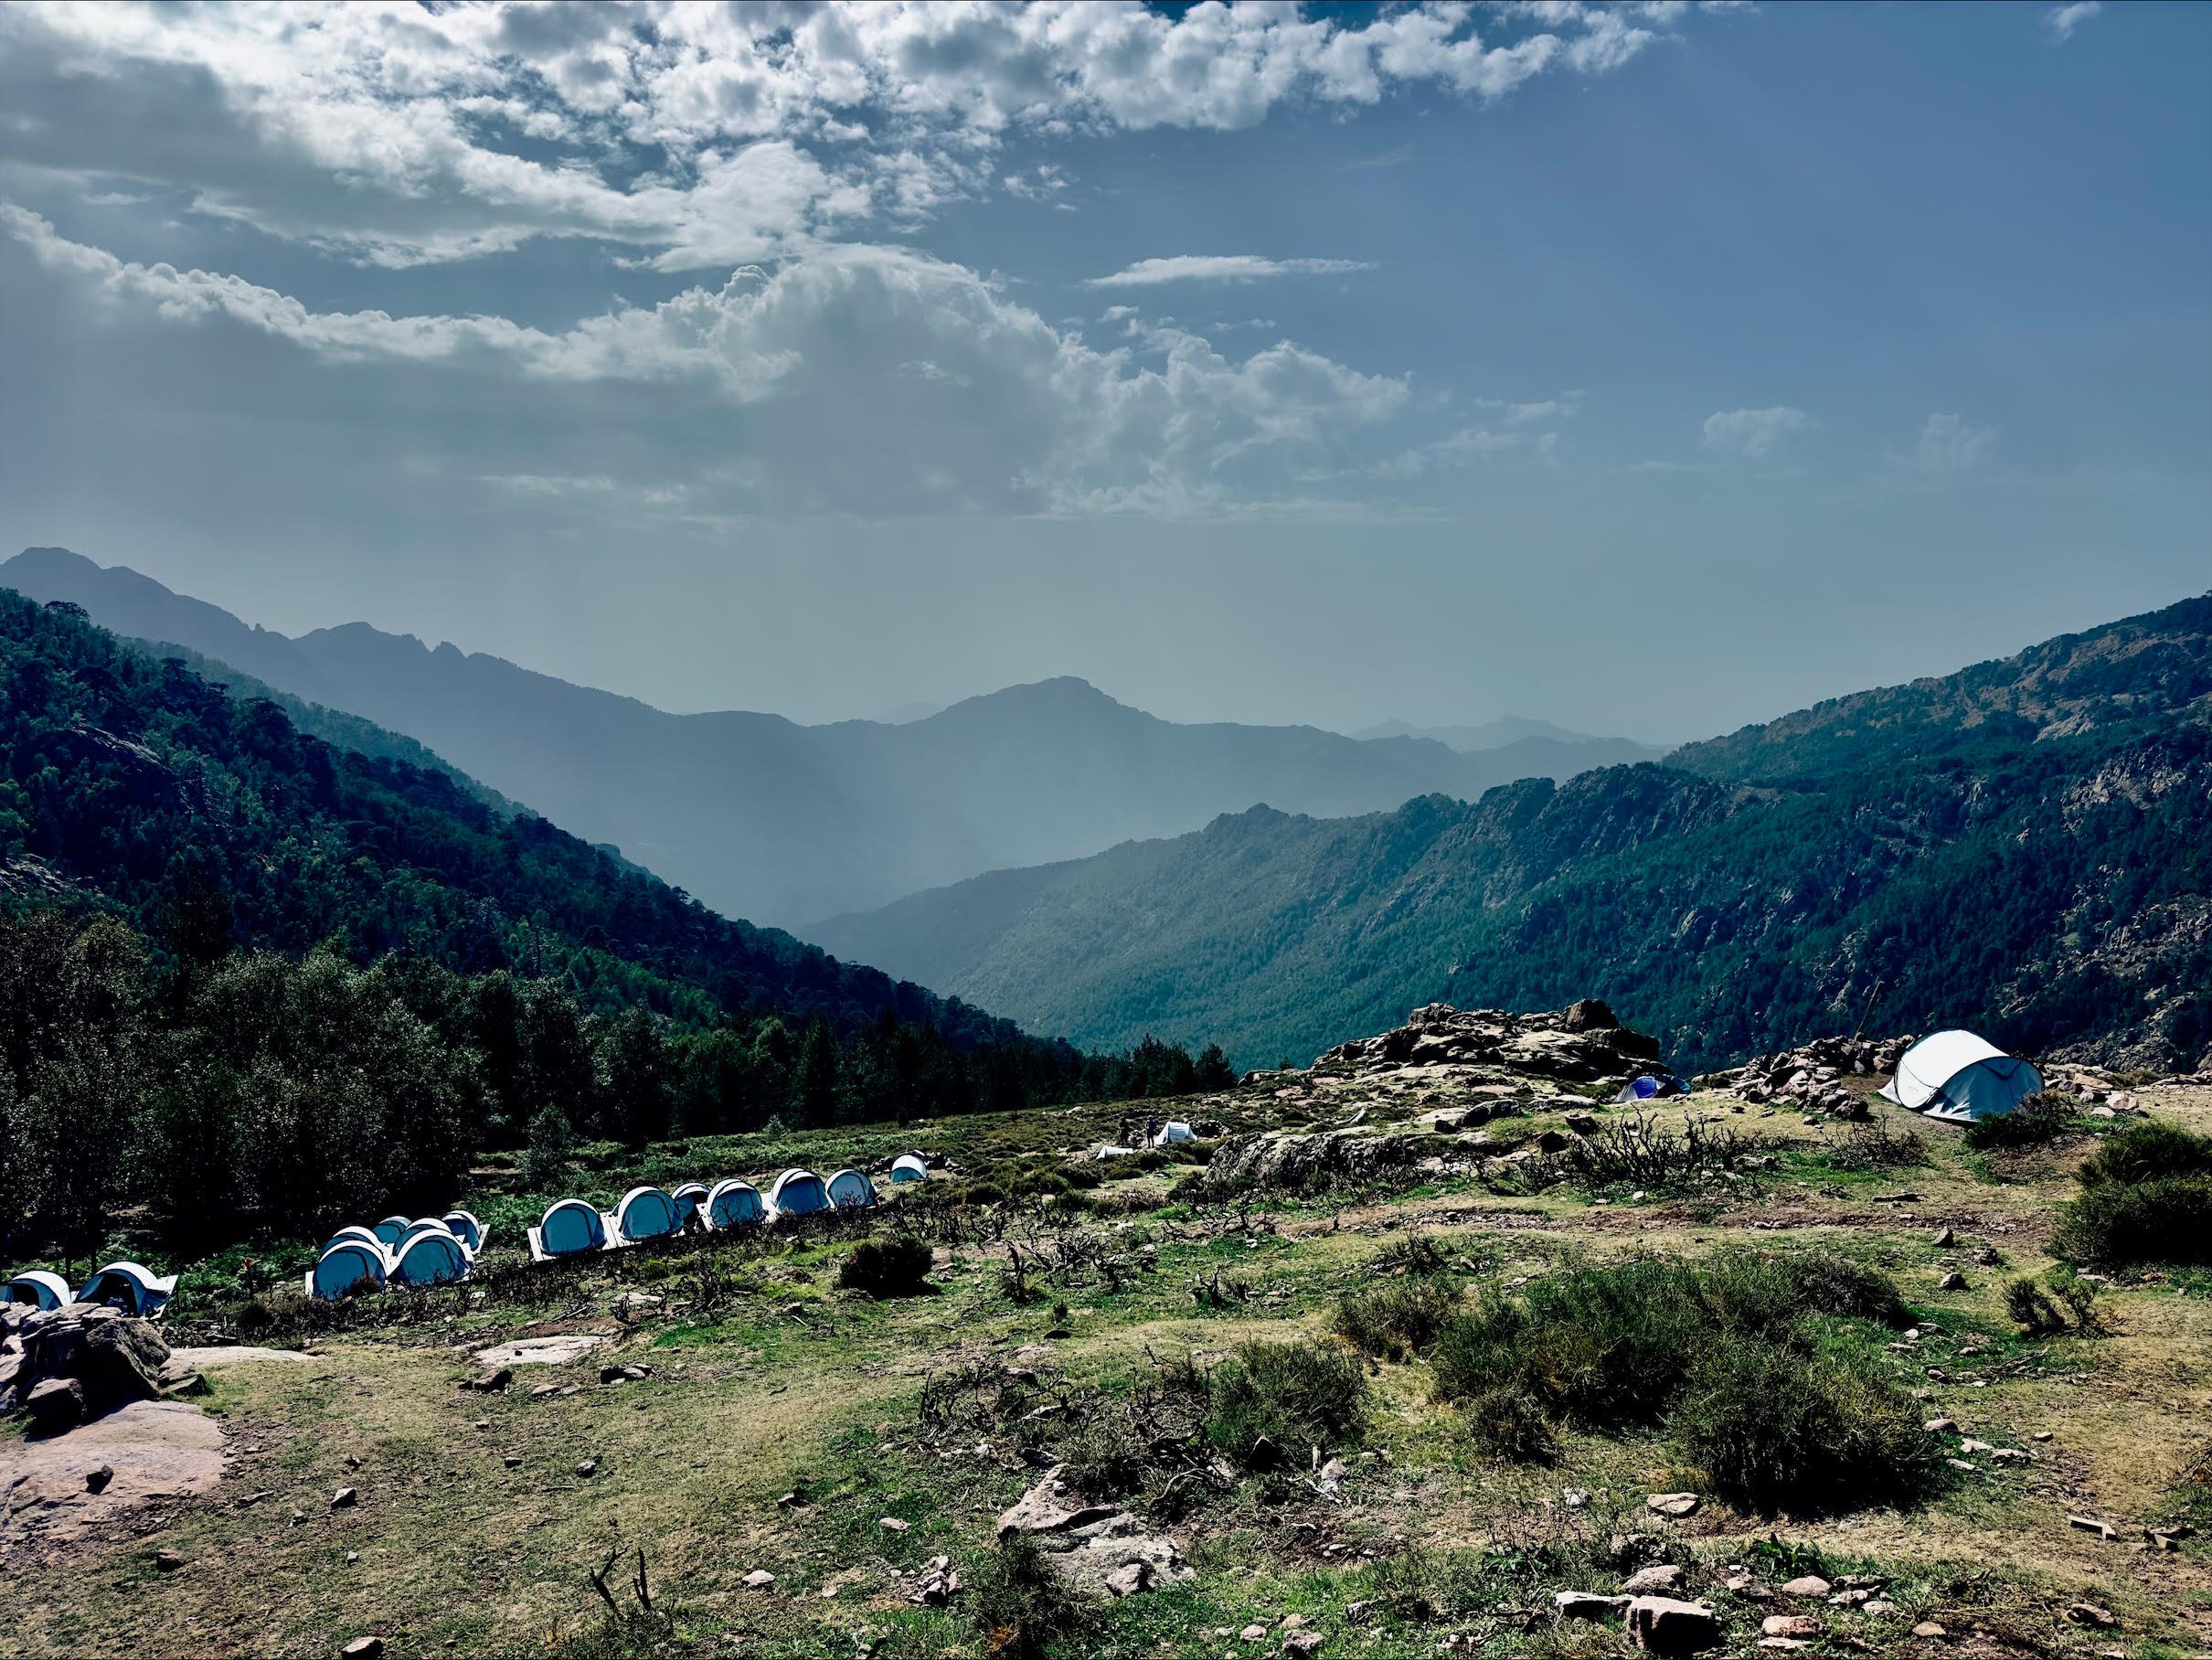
364 1648
587 1467
541 1351
1929 1628
345 1498
1945 1239
1253 1633
511 1460
491 1382
1661 1625
1673 1503
1302 1642
2092 1615
759 1578
891 1524
1790 1625
96 1481
1953 1281
1648 1581
1092 1545
167 1562
2089 1524
1807 1585
1941 1426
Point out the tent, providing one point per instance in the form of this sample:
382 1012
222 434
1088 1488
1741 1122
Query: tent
430 1255
358 1236
646 1213
798 1193
130 1286
1651 1086
850 1190
1173 1129
392 1229
38 1288
466 1228
1959 1077
688 1198
1114 1150
348 1264
569 1228
909 1167
733 1205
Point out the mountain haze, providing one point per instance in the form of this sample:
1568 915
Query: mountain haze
2024 848
762 817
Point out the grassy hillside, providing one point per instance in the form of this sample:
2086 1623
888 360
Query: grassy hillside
2021 848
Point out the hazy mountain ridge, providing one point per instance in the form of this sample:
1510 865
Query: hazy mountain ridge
762 817
2022 847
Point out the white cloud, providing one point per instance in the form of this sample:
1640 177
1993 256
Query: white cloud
1220 268
396 135
1948 445
2063 20
1752 434
773 383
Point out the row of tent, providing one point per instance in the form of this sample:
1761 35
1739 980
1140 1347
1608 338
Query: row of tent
572 1228
430 1250
130 1286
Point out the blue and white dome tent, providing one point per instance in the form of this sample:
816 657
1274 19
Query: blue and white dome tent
1957 1077
688 1198
36 1288
431 1254
850 1190
348 1265
798 1193
909 1167
466 1228
734 1204
645 1213
392 1228
130 1286
569 1228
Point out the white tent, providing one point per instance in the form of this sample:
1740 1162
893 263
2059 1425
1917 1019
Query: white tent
392 1229
850 1190
466 1228
909 1167
733 1203
431 1254
130 1286
798 1193
569 1228
360 1236
347 1264
687 1200
646 1213
1957 1076
1173 1129
39 1288
1114 1150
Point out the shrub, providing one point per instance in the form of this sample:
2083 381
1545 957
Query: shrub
2040 1120
2166 1219
1749 1292
1020 1604
1397 1320
551 1148
1295 1394
1103 1455
1771 1427
896 1267
2032 1308
2145 1152
1509 1423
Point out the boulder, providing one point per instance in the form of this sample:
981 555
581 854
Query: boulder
1098 1550
1673 1503
1277 1159
115 1358
1661 1625
1807 1585
1650 1582
55 1404
1586 1604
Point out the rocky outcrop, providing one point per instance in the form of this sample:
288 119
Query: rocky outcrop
1810 1077
112 1358
1583 1043
1100 1550
1303 1162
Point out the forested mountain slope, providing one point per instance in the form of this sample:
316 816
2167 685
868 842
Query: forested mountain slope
766 818
2025 847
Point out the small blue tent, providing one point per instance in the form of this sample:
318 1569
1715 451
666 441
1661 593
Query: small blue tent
850 1190
688 1198
430 1255
345 1266
569 1228
38 1288
798 1193
733 1203
909 1167
646 1213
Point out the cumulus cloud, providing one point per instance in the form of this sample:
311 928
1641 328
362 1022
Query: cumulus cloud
1752 434
782 394
1220 268
396 135
2063 20
1948 445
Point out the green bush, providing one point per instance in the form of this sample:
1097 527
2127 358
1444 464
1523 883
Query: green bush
1399 1320
2166 1219
1748 1290
1509 1423
1020 1604
2040 1120
896 1267
1771 1427
2032 1308
1296 1395
2145 1152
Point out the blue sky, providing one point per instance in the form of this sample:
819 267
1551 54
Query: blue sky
1258 364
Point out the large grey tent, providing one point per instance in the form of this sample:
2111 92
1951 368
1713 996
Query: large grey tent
1959 1077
